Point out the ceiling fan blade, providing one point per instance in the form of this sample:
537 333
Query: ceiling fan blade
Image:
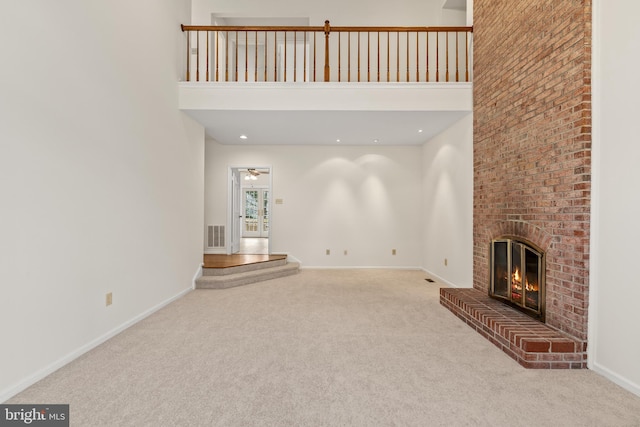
256 172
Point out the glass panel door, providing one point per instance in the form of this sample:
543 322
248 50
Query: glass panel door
533 277
250 217
265 214
255 222
500 273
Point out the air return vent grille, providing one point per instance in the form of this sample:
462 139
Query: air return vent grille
215 236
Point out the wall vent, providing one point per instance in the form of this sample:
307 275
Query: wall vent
215 236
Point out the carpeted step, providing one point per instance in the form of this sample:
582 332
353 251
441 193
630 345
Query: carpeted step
244 268
224 281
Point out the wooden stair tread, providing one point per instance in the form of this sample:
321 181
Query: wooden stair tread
225 261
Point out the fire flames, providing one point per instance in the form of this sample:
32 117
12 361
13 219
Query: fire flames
516 283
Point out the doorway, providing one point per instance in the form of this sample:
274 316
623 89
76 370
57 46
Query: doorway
255 209
250 210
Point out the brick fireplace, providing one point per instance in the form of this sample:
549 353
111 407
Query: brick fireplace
532 159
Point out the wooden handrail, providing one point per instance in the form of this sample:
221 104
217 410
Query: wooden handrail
300 29
268 28
420 57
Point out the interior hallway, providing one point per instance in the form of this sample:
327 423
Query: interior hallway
254 245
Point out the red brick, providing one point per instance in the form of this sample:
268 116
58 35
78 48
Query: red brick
563 347
535 346
522 338
532 144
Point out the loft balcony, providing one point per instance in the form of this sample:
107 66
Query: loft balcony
383 79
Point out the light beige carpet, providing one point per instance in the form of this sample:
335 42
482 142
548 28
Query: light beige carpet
321 348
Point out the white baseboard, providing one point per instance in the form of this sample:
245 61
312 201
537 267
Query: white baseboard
219 251
616 378
357 267
196 276
441 280
291 258
44 372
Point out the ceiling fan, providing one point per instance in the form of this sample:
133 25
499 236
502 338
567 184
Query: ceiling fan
253 174
256 172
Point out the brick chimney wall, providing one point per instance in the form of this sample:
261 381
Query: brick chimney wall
532 143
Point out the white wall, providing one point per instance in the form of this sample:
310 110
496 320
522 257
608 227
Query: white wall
101 176
447 188
614 292
353 12
365 200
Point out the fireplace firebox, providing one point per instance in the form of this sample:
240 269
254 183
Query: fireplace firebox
518 275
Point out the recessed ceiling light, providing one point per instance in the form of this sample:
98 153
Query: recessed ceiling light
419 130
375 140
337 140
243 136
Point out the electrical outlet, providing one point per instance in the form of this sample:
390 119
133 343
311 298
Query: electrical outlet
393 251
328 252
446 262
109 299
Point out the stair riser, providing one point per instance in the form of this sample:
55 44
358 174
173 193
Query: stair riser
239 281
243 268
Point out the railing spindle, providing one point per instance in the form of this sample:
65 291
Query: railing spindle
466 56
427 57
378 67
327 68
314 55
397 56
447 55
217 62
437 57
285 56
368 56
358 57
339 53
188 54
197 56
407 56
275 57
295 55
236 67
255 65
226 62
207 79
349 57
266 40
388 58
304 53
457 69
246 56
417 56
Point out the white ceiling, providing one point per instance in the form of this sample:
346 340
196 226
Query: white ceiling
455 4
323 113
324 127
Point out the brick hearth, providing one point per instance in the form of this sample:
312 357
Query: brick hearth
531 343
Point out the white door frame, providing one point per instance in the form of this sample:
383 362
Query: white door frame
233 242
236 209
